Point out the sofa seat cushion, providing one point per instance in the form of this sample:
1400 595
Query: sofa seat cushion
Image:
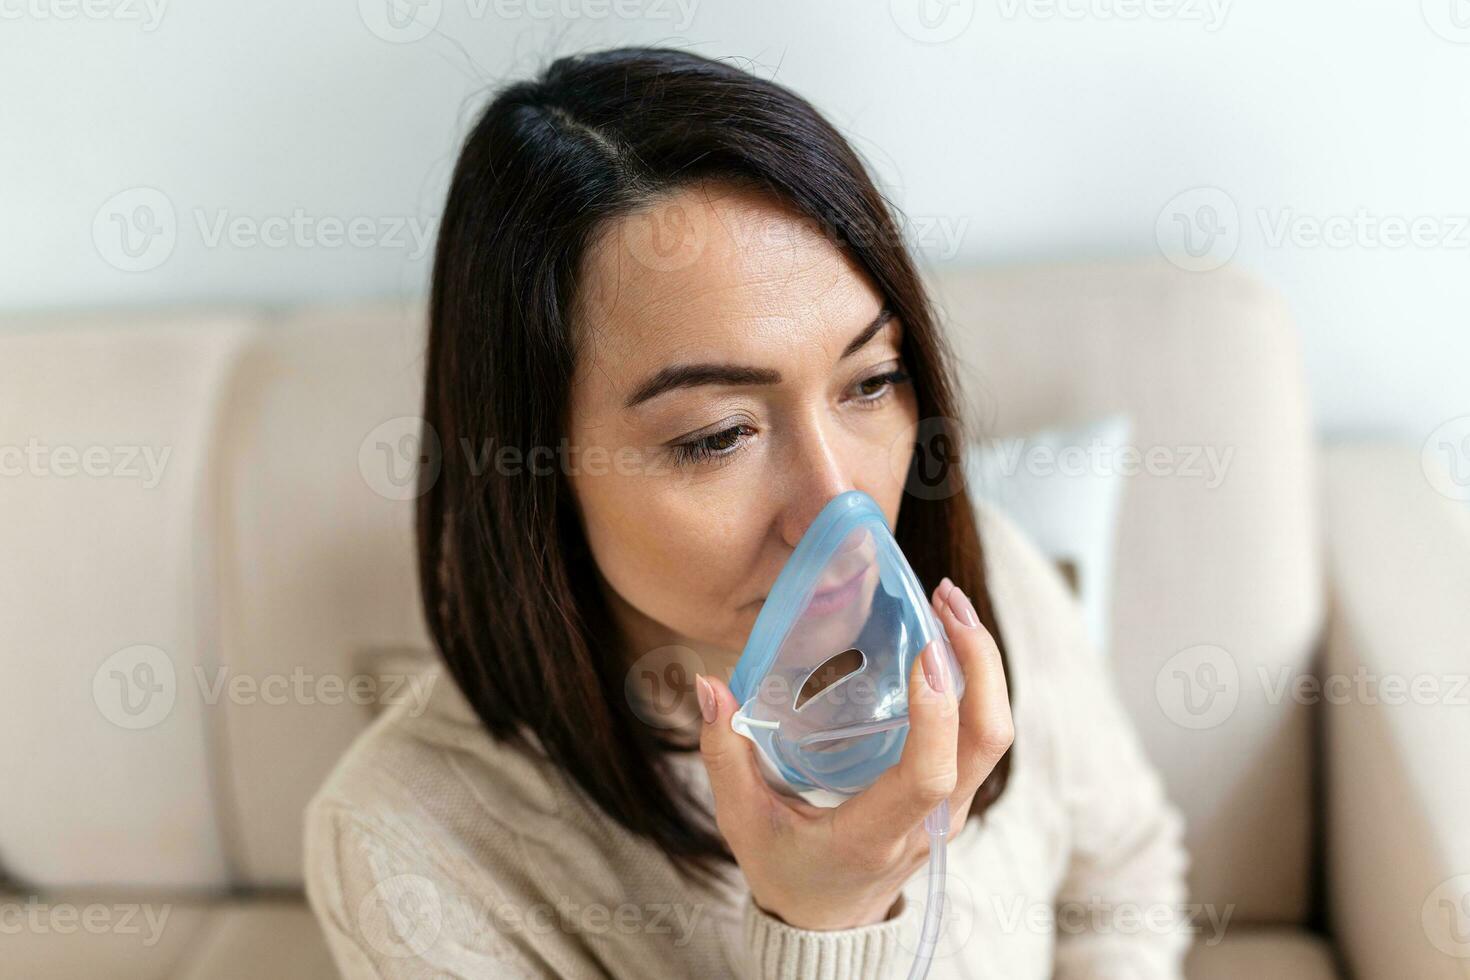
121 936
279 939
1263 954
84 934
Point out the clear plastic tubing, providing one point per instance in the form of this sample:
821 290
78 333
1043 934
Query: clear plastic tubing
937 824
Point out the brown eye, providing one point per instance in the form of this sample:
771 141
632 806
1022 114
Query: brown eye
874 388
722 441
711 447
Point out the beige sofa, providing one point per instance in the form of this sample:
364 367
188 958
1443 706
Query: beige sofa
206 535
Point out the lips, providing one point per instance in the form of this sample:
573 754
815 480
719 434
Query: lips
842 583
837 596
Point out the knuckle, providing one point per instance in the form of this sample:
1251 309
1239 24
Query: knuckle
996 736
717 761
982 644
936 783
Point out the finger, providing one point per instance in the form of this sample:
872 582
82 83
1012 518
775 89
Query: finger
941 591
743 801
925 774
986 726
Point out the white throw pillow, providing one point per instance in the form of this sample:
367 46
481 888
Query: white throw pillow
1062 487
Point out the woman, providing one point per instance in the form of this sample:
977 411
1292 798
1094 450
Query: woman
671 317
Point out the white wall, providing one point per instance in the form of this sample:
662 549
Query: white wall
1041 129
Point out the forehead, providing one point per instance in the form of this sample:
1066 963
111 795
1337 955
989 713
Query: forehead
715 272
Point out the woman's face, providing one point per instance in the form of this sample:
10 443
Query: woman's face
735 372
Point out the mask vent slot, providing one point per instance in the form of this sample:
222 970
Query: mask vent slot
831 672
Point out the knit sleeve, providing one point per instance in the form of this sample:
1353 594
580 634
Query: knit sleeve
389 911
781 952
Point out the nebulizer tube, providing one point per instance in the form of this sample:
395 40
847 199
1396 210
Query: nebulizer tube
937 824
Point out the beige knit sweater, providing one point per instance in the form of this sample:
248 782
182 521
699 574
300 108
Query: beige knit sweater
434 851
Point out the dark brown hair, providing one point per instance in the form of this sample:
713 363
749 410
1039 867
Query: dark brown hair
509 588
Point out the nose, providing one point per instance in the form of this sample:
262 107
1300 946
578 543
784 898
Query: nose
817 473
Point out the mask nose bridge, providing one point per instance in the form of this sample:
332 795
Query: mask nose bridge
824 474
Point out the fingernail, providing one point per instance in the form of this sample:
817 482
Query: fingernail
963 610
934 670
944 586
707 706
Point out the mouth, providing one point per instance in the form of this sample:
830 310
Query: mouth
835 596
839 596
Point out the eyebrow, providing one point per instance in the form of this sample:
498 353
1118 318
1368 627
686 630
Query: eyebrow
694 375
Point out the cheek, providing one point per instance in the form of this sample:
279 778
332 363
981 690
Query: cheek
680 558
879 459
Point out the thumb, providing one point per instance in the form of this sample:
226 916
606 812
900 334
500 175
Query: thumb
734 773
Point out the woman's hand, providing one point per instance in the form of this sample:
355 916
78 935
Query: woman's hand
844 867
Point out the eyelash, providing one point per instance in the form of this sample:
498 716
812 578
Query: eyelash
705 448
